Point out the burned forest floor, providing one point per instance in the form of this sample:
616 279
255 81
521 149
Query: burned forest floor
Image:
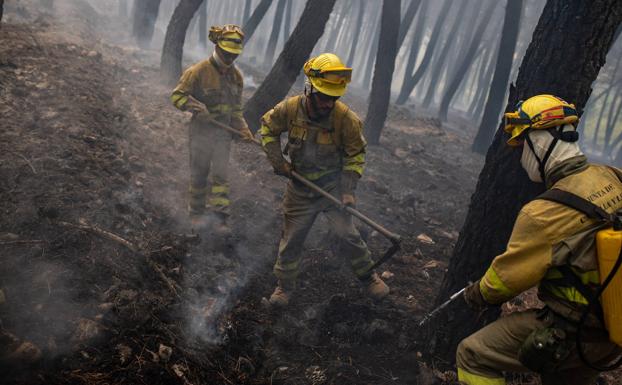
101 270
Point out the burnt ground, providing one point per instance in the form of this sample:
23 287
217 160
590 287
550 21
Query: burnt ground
101 270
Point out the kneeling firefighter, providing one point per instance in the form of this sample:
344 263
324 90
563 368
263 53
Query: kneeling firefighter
326 146
564 242
212 89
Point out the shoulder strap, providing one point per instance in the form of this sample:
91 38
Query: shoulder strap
576 202
341 111
616 171
291 107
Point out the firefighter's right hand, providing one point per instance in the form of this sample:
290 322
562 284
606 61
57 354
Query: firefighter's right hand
203 115
473 297
283 169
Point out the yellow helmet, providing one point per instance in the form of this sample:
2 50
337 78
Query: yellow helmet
328 74
538 112
229 37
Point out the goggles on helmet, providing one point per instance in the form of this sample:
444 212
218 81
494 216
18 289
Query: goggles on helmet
340 76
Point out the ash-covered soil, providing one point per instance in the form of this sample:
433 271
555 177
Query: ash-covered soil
101 270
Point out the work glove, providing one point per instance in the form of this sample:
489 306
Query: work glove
195 106
247 134
348 182
283 169
348 199
203 116
275 156
473 297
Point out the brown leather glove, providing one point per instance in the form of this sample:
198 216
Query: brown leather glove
473 297
247 134
349 180
348 199
283 169
275 156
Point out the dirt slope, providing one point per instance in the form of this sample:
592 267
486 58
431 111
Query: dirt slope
101 270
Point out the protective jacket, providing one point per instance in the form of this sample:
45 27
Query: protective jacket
548 235
218 87
317 149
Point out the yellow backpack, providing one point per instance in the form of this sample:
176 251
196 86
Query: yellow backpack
609 254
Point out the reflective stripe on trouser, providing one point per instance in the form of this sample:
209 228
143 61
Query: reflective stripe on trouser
484 356
219 196
300 208
209 157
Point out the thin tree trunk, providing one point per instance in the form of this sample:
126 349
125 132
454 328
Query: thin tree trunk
601 115
276 85
247 11
145 16
507 46
410 81
287 26
357 31
579 30
407 20
437 70
483 89
611 117
251 25
383 71
203 25
371 56
466 61
338 17
274 35
480 83
1 9
172 52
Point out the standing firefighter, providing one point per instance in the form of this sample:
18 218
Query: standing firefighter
555 244
325 145
212 89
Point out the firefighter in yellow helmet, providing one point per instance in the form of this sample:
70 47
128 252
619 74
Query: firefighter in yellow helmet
551 246
212 89
326 145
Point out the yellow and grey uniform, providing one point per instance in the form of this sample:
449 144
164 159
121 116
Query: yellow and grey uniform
219 88
330 152
546 236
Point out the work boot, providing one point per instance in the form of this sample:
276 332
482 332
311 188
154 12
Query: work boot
375 286
218 223
282 293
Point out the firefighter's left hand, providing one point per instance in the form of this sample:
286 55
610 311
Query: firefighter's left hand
247 134
348 199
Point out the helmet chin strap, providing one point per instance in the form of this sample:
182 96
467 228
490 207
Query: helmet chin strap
547 155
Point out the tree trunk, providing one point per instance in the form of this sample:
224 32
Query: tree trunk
483 89
450 91
172 52
1 9
274 35
203 25
145 16
407 20
247 11
580 30
437 70
383 71
371 55
410 81
287 26
283 74
357 32
501 78
251 25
